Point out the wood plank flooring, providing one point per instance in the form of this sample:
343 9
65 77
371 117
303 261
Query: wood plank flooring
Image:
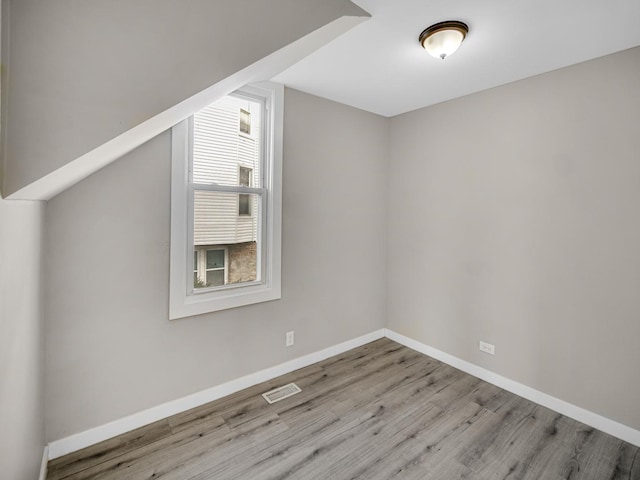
381 411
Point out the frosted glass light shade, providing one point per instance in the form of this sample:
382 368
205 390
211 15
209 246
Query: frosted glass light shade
442 39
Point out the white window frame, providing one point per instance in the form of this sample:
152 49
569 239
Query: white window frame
185 301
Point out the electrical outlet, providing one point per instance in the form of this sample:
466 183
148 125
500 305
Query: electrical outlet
289 339
487 348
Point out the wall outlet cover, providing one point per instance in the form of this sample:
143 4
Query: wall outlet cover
487 348
289 339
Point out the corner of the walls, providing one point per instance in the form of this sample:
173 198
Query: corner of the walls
357 11
595 420
44 464
4 6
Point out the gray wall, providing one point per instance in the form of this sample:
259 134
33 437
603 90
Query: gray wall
80 73
111 350
513 219
4 51
21 340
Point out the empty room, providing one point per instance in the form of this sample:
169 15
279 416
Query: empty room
320 239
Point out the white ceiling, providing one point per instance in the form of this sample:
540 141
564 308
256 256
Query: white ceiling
380 67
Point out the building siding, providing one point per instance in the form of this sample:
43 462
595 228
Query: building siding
219 150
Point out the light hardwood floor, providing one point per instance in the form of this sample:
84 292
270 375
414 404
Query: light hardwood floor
380 411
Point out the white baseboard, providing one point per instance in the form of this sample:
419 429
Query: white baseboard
43 465
95 435
587 417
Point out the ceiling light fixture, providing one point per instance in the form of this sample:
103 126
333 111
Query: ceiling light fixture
444 38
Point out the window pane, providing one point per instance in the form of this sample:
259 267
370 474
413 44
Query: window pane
215 259
216 220
245 121
217 227
244 204
219 148
245 177
215 278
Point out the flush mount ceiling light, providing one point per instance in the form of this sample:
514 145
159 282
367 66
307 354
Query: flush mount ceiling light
444 38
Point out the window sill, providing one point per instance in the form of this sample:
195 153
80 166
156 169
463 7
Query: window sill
205 302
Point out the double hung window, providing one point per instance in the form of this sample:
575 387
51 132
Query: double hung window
226 203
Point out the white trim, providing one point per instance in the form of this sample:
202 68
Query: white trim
587 417
45 463
95 435
98 434
183 300
78 169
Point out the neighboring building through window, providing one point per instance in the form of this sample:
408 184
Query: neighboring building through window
244 200
224 157
231 200
245 121
209 267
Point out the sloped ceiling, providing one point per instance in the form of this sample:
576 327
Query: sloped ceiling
80 74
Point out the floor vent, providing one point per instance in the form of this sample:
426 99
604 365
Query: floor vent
281 393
